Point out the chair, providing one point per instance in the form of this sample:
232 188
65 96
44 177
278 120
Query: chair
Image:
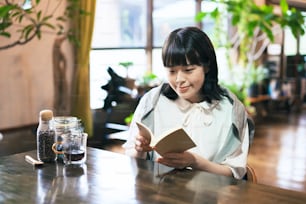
251 175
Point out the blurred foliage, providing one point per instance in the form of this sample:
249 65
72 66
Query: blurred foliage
253 28
254 23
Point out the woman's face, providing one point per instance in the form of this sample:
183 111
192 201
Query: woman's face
187 81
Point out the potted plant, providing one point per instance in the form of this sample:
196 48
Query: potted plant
130 83
146 82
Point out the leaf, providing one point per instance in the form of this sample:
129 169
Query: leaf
48 25
61 18
38 15
5 25
215 13
38 34
126 64
46 18
60 27
284 6
235 20
27 30
20 18
4 10
16 14
5 34
199 16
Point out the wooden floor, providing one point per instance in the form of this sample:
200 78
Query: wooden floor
278 152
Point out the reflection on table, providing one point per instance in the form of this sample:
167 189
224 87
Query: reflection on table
109 177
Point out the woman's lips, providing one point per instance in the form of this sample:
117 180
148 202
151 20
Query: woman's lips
183 89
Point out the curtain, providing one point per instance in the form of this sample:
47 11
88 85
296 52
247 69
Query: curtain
80 93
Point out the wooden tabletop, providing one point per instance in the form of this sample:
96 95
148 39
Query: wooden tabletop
109 177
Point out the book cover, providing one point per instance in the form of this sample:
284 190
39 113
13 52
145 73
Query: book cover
174 140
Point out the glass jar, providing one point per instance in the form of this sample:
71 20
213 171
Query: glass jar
45 136
70 139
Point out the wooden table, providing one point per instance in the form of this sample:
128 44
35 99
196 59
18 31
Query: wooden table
114 178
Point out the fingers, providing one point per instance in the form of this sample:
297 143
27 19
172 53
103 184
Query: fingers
173 160
142 140
142 144
172 163
176 160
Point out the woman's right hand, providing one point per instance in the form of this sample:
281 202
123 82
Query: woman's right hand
142 144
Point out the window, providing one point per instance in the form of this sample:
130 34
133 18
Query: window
119 24
171 14
120 36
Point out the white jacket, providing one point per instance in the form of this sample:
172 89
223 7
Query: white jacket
145 113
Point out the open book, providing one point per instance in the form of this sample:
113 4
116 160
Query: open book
175 140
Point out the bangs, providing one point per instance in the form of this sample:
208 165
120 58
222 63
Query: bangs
178 55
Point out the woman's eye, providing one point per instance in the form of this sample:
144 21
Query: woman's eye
189 69
171 71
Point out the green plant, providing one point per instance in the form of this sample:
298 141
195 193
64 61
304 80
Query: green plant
243 80
256 74
149 79
237 90
29 20
256 26
129 118
126 65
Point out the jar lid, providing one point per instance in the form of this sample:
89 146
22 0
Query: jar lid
46 115
66 122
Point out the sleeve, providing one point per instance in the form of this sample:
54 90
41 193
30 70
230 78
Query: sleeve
237 161
129 145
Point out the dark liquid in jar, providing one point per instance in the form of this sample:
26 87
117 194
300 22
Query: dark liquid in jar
75 155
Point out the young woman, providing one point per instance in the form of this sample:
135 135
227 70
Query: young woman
192 98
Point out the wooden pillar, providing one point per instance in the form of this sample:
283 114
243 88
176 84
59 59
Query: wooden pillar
198 9
283 59
149 44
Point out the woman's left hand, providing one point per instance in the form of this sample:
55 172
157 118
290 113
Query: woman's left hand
177 160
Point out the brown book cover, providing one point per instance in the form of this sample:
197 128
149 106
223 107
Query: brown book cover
174 140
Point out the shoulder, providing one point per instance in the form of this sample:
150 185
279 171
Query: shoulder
240 116
152 95
149 100
233 99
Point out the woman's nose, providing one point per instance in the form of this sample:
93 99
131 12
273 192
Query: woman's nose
180 77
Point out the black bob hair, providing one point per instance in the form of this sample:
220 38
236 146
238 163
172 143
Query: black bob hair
191 46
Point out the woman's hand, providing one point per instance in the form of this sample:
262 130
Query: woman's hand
142 144
188 159
177 160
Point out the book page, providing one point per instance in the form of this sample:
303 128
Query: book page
175 140
144 131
